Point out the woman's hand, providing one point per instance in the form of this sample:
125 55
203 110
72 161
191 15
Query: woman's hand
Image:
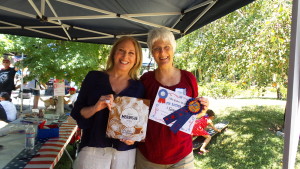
204 102
128 142
103 102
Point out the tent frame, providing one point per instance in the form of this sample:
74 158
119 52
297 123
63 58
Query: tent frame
103 14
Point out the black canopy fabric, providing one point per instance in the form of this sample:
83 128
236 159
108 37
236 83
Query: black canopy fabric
102 21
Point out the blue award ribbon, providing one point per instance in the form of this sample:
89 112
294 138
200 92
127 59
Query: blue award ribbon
162 94
182 115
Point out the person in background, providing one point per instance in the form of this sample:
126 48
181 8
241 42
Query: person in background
8 106
163 148
67 86
91 110
7 75
49 87
69 103
199 129
35 87
3 116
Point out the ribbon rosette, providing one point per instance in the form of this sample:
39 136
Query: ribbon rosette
182 115
162 94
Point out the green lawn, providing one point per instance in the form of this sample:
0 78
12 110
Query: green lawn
65 162
249 141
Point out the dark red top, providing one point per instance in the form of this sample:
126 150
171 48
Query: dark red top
161 145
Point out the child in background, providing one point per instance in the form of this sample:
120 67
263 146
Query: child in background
199 129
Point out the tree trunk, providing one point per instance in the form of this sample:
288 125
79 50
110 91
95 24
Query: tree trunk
60 105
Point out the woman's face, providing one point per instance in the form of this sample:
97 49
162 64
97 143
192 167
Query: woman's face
125 56
162 52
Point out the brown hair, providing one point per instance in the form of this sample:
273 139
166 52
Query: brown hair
134 71
210 113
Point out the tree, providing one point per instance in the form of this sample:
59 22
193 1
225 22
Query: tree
5 44
47 58
247 47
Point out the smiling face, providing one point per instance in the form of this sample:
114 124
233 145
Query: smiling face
125 56
162 52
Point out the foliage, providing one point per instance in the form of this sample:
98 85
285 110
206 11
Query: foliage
219 89
245 46
5 44
60 59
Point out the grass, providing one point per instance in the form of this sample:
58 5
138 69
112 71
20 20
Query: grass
248 142
65 162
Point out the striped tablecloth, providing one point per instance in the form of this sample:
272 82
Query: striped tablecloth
50 153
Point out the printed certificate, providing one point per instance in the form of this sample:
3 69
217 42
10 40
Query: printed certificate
167 102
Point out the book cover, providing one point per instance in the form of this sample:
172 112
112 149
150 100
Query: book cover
128 118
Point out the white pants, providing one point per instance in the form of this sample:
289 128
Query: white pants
104 158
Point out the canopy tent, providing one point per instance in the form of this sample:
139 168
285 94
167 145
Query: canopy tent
101 21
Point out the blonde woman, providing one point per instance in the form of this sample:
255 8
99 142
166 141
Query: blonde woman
94 101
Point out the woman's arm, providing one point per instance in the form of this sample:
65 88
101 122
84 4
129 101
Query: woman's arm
88 85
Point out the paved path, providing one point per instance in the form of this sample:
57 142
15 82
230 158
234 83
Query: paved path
219 105
27 103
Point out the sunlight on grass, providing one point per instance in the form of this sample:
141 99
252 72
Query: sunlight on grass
247 136
245 120
231 132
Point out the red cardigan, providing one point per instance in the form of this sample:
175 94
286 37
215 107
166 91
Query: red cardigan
161 145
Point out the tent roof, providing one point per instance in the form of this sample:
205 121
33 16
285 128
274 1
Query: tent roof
101 21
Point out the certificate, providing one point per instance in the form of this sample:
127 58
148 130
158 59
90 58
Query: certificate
128 118
167 102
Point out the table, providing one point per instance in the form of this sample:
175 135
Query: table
48 154
12 144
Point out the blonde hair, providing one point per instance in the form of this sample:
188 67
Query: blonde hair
134 71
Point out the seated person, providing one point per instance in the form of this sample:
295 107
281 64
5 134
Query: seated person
8 106
199 129
3 115
69 104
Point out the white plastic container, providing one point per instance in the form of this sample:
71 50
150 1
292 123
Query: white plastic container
30 134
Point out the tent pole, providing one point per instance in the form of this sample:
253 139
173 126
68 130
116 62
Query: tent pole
292 127
22 81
